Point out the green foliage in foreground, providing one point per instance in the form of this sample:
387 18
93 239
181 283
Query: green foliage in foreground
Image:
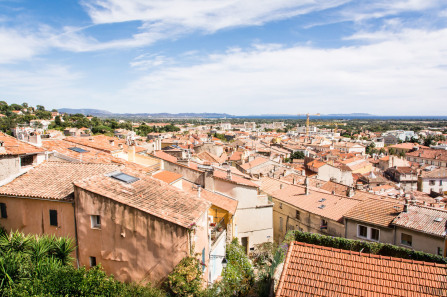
41 266
383 249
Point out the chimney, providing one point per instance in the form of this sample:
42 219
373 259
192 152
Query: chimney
306 183
199 190
281 186
111 142
350 192
2 147
293 182
120 145
131 154
229 173
405 206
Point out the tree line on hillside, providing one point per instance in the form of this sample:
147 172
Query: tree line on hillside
97 125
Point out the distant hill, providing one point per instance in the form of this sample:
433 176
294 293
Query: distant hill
86 111
105 113
359 114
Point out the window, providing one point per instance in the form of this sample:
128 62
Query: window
203 260
280 206
280 225
368 233
92 261
375 234
53 217
297 215
3 213
440 252
406 239
440 182
128 179
26 160
323 224
95 221
363 231
431 182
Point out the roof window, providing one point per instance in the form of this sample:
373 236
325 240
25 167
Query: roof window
128 179
322 206
78 150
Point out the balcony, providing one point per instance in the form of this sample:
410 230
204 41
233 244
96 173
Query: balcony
217 229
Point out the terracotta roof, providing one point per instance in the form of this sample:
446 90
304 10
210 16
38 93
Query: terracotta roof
256 162
236 156
375 211
423 219
167 176
149 195
206 156
63 147
311 270
164 156
407 145
235 179
316 164
99 142
440 155
436 173
321 203
14 146
216 199
53 180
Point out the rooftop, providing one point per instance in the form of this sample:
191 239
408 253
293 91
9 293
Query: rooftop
423 219
14 146
149 195
311 270
375 211
53 180
167 176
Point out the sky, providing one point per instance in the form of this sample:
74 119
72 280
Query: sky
241 57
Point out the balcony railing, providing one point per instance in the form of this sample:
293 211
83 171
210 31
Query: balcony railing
216 230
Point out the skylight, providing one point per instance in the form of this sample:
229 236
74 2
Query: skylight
438 220
322 206
322 200
78 150
128 179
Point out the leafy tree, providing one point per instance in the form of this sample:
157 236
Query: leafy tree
40 107
297 155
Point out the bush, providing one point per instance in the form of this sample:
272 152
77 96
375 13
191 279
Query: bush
383 249
186 279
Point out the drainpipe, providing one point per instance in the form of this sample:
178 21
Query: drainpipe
76 234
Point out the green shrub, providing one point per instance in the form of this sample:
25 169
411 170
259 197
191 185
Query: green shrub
186 279
383 249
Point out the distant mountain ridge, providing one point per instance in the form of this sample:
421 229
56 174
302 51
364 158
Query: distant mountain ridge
105 113
85 111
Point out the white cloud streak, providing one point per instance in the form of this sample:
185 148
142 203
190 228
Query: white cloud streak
402 73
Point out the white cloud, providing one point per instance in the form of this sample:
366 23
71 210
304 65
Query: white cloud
397 74
16 45
163 19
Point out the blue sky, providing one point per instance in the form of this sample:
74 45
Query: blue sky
385 57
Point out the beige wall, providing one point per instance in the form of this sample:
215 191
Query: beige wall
308 222
32 216
9 165
253 218
131 244
420 241
386 234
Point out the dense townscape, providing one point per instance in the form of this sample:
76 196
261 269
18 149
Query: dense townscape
217 207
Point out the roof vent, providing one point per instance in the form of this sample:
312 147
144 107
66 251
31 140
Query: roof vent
438 220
